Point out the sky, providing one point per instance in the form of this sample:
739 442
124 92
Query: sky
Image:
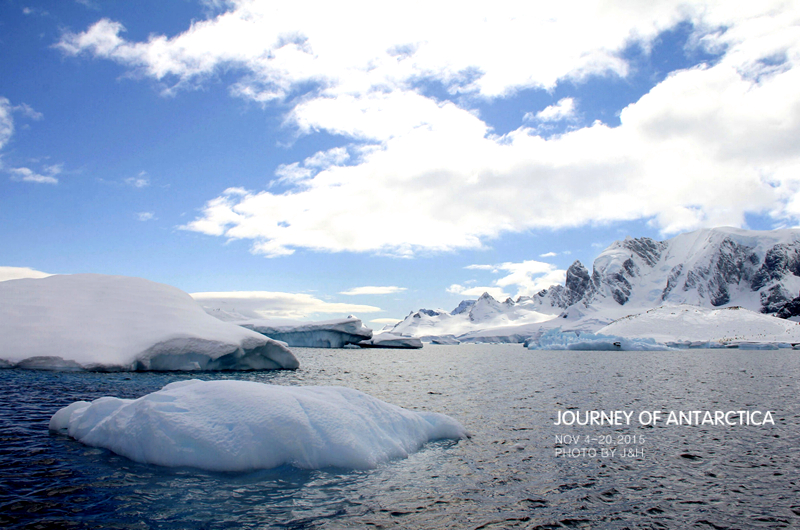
310 160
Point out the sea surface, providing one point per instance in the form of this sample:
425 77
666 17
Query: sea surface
507 475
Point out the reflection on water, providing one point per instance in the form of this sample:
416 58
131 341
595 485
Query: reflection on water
505 476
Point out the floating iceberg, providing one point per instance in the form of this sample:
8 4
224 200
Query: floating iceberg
240 425
321 334
391 340
99 322
555 339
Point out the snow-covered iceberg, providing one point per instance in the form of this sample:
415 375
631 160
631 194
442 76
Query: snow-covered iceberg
320 334
240 425
555 339
391 340
99 322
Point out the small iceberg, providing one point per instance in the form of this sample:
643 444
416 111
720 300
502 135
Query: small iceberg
117 323
555 339
320 334
391 340
231 425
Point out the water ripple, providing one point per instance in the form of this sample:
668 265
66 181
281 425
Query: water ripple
505 476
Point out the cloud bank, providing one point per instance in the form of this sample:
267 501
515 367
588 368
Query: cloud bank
265 304
705 147
16 273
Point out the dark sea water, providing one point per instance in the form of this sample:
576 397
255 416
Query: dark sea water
505 476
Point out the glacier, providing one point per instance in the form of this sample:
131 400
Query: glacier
118 323
687 326
229 425
318 334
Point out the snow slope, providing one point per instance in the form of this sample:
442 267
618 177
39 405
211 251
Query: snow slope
241 425
472 316
99 322
720 267
319 334
686 323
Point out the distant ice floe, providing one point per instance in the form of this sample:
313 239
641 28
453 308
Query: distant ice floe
117 323
240 426
391 340
555 339
321 334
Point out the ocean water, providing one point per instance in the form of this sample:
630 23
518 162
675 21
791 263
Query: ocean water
507 475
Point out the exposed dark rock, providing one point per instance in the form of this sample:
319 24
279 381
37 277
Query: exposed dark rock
672 280
463 307
578 282
790 309
649 250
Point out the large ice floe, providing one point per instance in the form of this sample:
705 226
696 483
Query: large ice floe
555 339
318 334
231 425
391 340
99 322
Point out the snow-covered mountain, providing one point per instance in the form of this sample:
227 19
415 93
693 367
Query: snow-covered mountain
474 315
711 268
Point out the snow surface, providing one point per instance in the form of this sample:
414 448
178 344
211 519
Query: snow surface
319 334
555 339
99 322
720 267
240 425
686 323
391 340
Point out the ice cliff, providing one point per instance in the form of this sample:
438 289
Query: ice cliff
320 334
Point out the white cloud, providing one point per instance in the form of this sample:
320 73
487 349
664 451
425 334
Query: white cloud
373 290
563 110
529 277
28 111
264 304
139 181
14 273
702 148
548 255
353 46
384 321
146 216
25 174
496 292
6 122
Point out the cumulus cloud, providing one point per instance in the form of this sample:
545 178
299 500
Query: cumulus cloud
496 292
265 304
704 147
528 277
373 290
15 273
24 174
563 110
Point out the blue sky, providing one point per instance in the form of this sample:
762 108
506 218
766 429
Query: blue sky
334 158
